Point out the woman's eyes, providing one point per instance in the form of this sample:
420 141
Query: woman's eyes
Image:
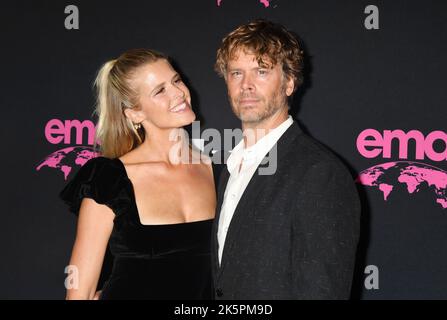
160 91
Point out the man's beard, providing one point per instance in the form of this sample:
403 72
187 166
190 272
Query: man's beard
258 115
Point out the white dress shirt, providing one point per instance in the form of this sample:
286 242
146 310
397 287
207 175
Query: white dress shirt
242 164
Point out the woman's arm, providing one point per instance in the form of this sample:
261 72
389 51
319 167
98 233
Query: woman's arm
95 224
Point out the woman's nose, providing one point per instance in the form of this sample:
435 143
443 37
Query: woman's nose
178 92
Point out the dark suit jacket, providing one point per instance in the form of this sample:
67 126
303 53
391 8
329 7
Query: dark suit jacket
293 234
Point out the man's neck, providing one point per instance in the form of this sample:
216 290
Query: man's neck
254 131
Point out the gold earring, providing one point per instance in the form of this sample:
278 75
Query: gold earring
137 126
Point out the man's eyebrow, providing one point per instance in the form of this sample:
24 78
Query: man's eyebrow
254 68
234 69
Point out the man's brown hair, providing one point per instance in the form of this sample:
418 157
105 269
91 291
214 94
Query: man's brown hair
270 42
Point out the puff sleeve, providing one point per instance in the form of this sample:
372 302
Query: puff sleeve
97 179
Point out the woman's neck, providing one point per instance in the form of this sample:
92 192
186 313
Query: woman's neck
170 146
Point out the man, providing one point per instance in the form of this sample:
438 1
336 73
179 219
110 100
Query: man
290 232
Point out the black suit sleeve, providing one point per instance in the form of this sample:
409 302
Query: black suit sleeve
326 228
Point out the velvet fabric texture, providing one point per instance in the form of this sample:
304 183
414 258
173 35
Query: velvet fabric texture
170 261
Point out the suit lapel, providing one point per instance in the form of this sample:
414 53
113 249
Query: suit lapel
223 180
253 189
240 215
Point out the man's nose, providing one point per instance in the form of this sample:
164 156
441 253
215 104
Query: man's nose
247 83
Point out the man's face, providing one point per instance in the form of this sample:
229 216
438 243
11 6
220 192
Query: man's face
256 92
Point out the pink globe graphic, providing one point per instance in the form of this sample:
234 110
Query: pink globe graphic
413 175
66 159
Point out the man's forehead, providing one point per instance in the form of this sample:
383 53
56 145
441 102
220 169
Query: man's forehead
244 55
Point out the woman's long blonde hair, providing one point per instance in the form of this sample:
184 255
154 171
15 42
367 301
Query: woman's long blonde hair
115 133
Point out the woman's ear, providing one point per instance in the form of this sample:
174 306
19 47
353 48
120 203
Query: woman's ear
136 116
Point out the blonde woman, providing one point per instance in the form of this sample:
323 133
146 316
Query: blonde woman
141 198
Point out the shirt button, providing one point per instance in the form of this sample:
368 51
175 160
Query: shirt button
219 292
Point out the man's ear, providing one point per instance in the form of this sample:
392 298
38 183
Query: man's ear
290 85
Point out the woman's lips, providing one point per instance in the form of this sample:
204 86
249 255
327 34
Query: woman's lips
179 108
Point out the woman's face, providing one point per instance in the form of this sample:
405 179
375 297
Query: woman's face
164 100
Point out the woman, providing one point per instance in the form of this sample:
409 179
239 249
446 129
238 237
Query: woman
153 208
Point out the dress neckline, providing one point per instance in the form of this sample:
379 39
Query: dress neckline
137 217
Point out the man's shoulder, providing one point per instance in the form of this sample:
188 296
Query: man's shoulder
311 152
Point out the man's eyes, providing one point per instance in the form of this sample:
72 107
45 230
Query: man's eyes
260 72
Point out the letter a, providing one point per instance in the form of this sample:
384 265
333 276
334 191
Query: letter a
372 280
72 20
72 280
372 20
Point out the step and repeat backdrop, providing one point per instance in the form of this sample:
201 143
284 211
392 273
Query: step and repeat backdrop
374 92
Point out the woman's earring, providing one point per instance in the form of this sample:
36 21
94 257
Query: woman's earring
137 126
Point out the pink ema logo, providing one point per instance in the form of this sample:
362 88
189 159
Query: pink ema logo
266 3
371 143
414 176
65 159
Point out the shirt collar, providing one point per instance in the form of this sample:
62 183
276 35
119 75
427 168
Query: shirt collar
259 150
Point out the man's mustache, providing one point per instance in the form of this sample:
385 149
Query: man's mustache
247 97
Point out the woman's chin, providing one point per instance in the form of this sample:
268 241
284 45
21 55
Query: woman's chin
189 118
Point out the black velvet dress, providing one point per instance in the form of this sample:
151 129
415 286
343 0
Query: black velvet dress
170 261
